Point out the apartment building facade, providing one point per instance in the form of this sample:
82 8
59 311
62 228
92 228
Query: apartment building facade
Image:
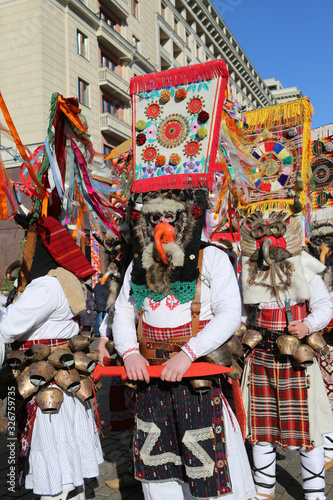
91 49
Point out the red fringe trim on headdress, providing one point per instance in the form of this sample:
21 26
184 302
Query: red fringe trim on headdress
178 76
180 181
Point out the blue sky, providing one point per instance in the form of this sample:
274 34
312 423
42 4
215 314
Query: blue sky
290 40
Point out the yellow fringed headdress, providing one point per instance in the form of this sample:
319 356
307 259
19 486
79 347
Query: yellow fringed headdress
279 138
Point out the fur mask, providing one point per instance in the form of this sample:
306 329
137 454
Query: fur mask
271 258
184 216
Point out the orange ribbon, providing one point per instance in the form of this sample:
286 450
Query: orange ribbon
21 148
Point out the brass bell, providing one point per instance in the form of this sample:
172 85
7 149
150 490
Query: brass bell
49 399
69 380
235 346
37 352
131 384
287 344
317 342
78 343
61 358
41 372
83 362
236 371
93 354
88 335
201 385
251 339
16 372
3 425
86 390
15 358
221 356
24 386
241 330
304 355
110 347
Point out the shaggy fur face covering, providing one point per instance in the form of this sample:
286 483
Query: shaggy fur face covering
184 216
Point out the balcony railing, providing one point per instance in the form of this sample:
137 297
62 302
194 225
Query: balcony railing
113 83
113 126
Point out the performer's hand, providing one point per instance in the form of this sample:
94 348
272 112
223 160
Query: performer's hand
298 329
103 352
175 367
136 367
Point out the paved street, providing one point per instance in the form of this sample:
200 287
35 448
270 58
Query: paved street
116 455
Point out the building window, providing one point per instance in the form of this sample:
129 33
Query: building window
175 25
136 43
106 19
163 11
109 107
198 52
82 44
83 92
107 63
135 8
187 38
107 150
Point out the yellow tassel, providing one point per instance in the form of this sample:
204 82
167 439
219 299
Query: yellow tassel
283 204
288 114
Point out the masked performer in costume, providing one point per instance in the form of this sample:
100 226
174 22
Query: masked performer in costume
186 445
58 450
184 296
283 391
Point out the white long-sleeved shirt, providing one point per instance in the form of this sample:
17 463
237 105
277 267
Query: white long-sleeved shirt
220 303
320 305
41 312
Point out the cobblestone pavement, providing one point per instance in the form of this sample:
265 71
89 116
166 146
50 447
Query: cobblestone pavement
116 462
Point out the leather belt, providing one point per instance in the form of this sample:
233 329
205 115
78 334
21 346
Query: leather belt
268 343
159 351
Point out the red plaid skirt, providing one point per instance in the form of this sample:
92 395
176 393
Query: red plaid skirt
279 407
275 319
163 334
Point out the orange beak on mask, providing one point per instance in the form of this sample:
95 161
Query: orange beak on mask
163 233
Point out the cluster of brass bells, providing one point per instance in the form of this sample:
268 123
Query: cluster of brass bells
288 345
225 355
40 369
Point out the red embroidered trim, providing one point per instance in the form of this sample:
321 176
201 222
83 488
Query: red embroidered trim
133 349
186 348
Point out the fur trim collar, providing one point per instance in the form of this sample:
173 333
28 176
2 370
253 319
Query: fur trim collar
75 292
311 266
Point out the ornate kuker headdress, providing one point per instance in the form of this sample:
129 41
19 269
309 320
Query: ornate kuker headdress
279 139
176 126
